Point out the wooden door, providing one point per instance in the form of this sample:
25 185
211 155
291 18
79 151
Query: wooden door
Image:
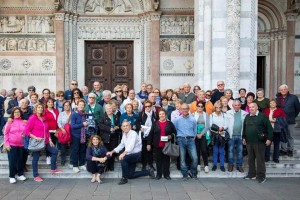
109 62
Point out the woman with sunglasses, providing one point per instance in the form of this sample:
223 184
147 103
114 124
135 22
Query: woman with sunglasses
144 123
60 99
209 107
119 95
157 94
75 97
203 125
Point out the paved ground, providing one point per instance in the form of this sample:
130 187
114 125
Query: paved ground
140 189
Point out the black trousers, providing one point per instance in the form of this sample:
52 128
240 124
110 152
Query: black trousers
113 143
25 157
54 140
94 168
162 163
201 147
256 155
147 156
15 161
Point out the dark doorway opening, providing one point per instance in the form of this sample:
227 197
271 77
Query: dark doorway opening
261 72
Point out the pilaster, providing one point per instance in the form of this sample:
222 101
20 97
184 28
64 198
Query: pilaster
60 62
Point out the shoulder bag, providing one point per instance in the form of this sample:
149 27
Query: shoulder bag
35 145
171 149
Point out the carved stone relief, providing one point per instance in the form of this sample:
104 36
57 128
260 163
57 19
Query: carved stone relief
12 24
40 24
5 64
263 48
177 25
27 44
177 45
108 6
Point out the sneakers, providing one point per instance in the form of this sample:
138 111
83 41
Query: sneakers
12 180
56 171
76 169
198 168
82 167
261 180
21 178
48 160
206 169
214 168
123 181
38 179
249 177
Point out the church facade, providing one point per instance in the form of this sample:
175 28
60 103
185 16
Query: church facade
246 43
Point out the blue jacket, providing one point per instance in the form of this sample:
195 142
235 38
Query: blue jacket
291 107
76 124
11 104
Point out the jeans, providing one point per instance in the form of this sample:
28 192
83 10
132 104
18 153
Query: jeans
77 152
235 141
54 141
36 157
218 153
276 142
15 161
187 145
128 164
63 151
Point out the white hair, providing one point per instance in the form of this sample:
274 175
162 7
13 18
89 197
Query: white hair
92 95
283 86
106 92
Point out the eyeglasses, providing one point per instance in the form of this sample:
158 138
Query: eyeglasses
220 84
119 91
92 97
180 88
147 106
208 95
74 83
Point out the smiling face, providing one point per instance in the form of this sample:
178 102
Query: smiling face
80 106
50 104
95 141
162 115
17 113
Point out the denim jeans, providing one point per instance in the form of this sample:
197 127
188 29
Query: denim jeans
218 153
276 142
36 157
77 152
128 164
15 161
187 145
235 142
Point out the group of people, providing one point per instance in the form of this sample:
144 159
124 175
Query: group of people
137 127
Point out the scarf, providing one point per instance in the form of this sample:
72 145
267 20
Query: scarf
148 123
82 133
96 151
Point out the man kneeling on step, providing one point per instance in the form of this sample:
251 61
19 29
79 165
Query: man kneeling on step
132 143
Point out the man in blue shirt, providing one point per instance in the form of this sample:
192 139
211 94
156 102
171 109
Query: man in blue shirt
186 127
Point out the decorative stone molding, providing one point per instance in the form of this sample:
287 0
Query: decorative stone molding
5 64
40 24
177 74
263 47
47 64
233 44
177 45
28 74
155 16
177 25
291 15
28 8
108 7
60 16
27 44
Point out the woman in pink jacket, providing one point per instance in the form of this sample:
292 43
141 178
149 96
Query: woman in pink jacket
13 141
37 128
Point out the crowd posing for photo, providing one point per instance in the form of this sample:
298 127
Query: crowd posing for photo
151 126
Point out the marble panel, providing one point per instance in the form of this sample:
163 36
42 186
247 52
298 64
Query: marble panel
218 24
297 45
297 75
219 6
218 42
173 82
245 28
244 59
26 3
297 31
176 4
176 64
218 59
245 5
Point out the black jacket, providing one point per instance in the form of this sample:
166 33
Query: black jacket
154 135
105 125
11 104
291 107
141 120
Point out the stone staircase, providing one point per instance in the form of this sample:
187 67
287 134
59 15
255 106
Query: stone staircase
288 167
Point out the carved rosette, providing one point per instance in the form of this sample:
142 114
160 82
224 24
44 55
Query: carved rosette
233 44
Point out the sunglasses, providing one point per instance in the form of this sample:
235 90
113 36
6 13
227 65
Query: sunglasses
61 96
119 91
208 95
220 84
200 106
92 97
74 84
180 88
147 106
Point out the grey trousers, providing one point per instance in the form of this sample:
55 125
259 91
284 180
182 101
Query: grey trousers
289 146
256 155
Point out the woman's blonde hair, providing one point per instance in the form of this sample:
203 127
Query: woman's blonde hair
217 104
90 143
39 104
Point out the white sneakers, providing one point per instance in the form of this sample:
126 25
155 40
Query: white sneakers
12 180
48 160
198 168
76 169
82 167
206 169
21 178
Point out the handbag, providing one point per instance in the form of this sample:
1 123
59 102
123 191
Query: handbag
65 138
35 145
171 149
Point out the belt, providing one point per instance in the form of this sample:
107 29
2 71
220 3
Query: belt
186 137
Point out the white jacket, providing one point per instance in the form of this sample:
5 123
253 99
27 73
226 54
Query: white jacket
230 120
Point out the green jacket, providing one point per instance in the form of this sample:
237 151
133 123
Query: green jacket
254 125
98 112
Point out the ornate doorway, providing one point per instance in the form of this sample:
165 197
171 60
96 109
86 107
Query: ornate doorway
109 62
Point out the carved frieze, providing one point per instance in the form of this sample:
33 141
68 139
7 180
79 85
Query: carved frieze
263 48
27 44
108 6
108 32
40 24
177 25
12 24
177 45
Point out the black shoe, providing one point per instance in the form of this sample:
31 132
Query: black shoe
214 168
276 161
249 177
261 180
157 177
151 173
282 153
194 176
290 153
168 178
63 163
190 174
222 168
123 181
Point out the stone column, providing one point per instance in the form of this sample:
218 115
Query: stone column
60 52
279 59
155 50
233 45
291 18
207 57
67 66
272 79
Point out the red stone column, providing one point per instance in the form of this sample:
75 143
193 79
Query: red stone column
60 53
272 66
290 49
155 50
